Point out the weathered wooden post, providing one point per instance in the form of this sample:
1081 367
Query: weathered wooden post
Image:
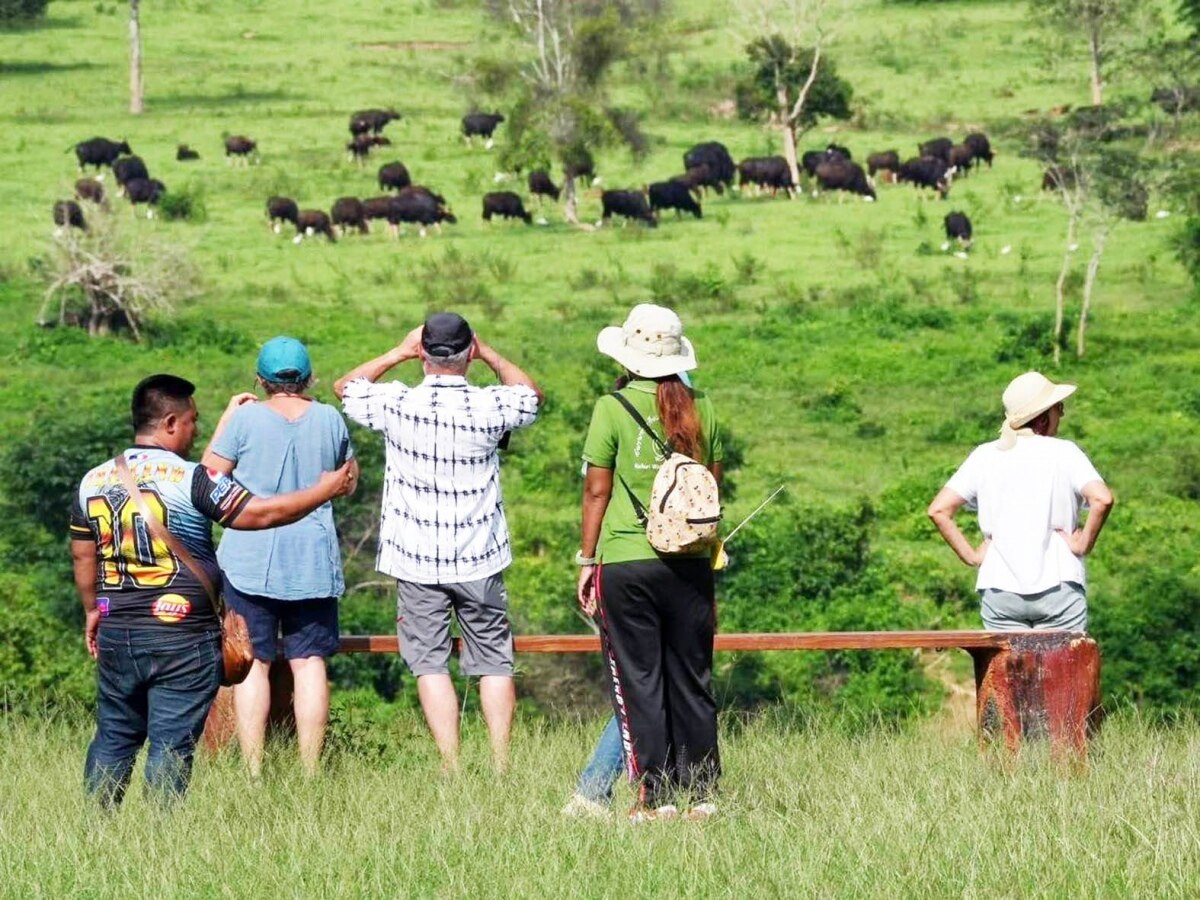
1039 686
221 724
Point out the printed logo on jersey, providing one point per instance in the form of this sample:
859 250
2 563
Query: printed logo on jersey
171 608
221 486
103 604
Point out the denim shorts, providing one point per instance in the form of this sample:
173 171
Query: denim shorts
308 627
1060 608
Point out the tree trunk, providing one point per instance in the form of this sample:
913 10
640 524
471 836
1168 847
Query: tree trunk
1089 283
1097 79
136 102
1061 285
570 205
789 134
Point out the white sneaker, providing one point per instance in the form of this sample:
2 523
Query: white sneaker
640 815
580 807
700 812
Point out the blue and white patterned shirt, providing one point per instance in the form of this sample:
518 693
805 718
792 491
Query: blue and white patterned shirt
442 517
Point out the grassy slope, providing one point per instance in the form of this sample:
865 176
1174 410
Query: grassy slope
814 323
914 815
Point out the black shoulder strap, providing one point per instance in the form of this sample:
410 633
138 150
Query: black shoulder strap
645 426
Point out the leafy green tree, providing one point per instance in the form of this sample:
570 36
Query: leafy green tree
1098 22
15 12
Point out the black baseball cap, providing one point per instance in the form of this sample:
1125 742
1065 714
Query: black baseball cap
446 334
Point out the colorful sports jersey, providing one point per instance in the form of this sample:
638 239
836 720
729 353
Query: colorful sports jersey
139 581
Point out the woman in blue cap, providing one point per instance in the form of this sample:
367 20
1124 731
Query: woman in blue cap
283 580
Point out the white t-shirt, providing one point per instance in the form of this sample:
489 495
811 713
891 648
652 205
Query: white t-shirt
1023 495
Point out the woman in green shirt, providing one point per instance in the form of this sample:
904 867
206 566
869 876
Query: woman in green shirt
656 610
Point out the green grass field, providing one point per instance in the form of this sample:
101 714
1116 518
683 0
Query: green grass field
849 357
919 814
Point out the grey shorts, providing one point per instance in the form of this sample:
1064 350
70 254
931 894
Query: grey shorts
1063 607
423 626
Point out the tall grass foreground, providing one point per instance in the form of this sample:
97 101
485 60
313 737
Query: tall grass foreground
806 810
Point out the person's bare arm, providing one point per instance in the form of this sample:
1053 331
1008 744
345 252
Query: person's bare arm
236 401
374 369
942 511
83 561
1100 503
597 491
283 509
508 372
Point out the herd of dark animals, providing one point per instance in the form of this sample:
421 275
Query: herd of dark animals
707 167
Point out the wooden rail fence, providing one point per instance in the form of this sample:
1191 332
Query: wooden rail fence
1028 684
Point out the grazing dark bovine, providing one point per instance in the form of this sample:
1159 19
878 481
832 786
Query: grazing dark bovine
888 159
393 176
578 163
239 146
184 153
67 214
842 175
280 210
769 172
505 204
420 206
981 147
146 191
360 147
696 179
371 121
481 124
1057 178
673 195
347 212
540 185
127 168
839 150
99 152
958 227
312 222
714 155
938 147
629 204
926 172
962 158
810 160
89 189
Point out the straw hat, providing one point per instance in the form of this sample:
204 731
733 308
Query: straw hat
1027 397
650 343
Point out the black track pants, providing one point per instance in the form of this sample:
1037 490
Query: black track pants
657 627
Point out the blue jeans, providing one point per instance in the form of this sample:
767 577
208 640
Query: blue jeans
604 768
152 685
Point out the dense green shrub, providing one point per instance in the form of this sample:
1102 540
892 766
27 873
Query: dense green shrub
184 204
811 568
1187 248
18 11
42 658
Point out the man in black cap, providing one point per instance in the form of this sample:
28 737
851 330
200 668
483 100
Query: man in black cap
442 531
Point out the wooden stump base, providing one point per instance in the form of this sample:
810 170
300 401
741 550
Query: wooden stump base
1039 687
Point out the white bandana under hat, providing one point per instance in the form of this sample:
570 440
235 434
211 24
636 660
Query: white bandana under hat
650 343
1027 397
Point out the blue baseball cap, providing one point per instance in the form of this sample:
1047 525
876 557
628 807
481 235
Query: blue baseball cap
284 360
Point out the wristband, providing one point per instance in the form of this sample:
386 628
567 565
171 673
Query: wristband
581 560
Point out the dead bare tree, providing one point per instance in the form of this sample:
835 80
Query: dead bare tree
106 279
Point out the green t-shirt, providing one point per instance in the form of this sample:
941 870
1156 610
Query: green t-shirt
615 441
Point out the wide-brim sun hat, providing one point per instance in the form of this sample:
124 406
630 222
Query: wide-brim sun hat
650 343
1027 397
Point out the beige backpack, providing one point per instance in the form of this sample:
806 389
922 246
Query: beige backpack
685 507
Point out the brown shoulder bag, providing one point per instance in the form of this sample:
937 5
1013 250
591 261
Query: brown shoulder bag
236 649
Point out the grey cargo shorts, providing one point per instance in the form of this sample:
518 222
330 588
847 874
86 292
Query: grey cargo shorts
423 626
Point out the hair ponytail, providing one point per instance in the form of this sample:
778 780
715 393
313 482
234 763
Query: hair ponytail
679 418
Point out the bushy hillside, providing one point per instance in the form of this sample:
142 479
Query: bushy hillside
849 356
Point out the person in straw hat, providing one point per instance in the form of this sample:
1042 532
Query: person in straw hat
656 611
1028 487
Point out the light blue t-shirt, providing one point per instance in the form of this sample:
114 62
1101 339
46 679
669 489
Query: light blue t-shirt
272 455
